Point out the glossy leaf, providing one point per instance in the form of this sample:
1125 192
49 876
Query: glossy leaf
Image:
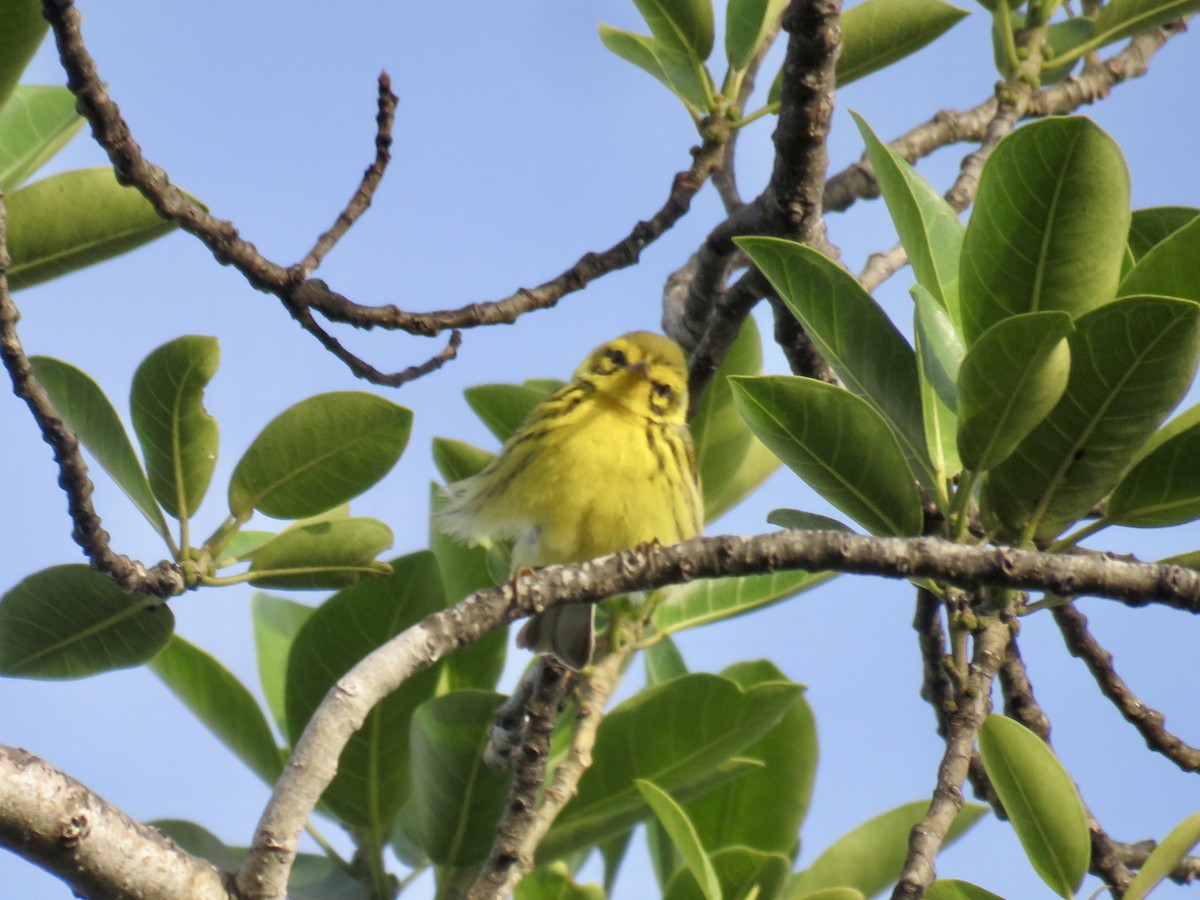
871 856
71 621
222 703
88 412
456 460
715 599
178 437
765 808
456 799
951 889
1165 857
1049 226
744 873
1041 801
1170 268
1150 227
277 620
72 220
1163 488
1010 379
321 555
1131 362
503 407
683 836
1124 18
854 335
35 123
927 225
318 453
372 782
746 25
685 26
712 720
837 443
24 29
719 434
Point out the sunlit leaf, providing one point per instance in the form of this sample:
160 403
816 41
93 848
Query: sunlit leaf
35 123
321 555
715 599
683 835
24 28
1170 851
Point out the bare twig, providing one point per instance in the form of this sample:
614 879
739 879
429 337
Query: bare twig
1149 722
52 820
161 580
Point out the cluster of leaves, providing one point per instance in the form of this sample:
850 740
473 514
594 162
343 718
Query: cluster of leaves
1055 332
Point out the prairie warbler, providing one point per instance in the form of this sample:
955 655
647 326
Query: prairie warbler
603 464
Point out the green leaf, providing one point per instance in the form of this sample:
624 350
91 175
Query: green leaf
799 520
242 545
1150 227
1049 226
853 334
684 26
643 51
372 782
871 857
1041 801
1131 362
1162 488
719 434
877 33
613 852
71 621
742 872
276 623
1166 856
951 889
837 443
503 407
715 599
34 125
456 460
456 799
928 227
554 883
939 357
663 661
24 28
683 836
746 25
89 413
1175 426
765 808
712 719
222 703
321 555
321 452
72 220
1171 268
836 893
757 466
179 438
1124 18
1010 380
1063 39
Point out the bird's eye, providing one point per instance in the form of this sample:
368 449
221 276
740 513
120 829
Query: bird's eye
617 358
661 390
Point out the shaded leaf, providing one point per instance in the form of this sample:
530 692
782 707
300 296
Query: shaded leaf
1171 268
90 414
72 220
318 453
1162 488
503 407
1063 39
456 460
276 623
222 703
939 352
321 555
1150 227
1049 226
757 466
798 520
1120 19
742 872
242 545
554 883
746 25
372 782
24 29
663 661
877 33
854 335
456 799
1165 857
178 437
1041 801
715 599
836 893
838 444
685 26
71 621
950 889
683 837
35 123
871 856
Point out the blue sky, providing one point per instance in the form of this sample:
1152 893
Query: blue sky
520 144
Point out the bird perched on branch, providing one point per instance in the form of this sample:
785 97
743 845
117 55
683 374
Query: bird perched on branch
603 464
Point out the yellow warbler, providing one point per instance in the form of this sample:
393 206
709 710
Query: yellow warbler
603 464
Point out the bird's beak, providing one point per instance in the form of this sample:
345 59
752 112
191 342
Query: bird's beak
640 368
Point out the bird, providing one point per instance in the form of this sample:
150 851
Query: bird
603 464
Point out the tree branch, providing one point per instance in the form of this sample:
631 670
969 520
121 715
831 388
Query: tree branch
55 822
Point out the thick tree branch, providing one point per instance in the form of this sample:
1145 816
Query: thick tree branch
54 821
